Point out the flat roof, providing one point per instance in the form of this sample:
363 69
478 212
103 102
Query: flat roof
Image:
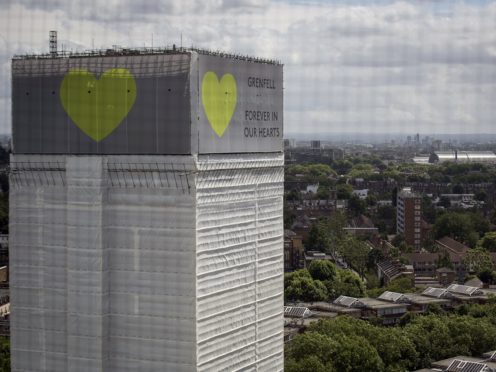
445 363
425 300
373 303
137 51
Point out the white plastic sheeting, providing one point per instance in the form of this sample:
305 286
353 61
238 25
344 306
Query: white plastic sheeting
149 263
240 262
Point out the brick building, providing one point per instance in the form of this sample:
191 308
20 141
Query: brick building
409 217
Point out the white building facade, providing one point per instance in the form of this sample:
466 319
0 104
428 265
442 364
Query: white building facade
126 261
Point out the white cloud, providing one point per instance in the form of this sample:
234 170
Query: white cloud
402 66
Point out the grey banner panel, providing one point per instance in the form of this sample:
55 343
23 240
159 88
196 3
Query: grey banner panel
48 118
240 105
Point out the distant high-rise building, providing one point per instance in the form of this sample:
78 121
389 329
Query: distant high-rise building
409 217
146 212
315 145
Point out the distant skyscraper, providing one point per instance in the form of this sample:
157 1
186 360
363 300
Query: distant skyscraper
315 145
146 213
409 217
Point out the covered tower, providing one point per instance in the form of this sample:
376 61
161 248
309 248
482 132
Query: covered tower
146 219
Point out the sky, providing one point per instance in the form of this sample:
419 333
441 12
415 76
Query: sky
415 66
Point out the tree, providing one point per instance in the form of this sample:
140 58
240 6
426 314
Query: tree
401 285
293 194
346 284
312 343
310 363
479 223
385 212
323 192
318 237
459 226
289 216
375 255
445 261
398 239
356 205
343 191
480 195
299 286
355 252
4 355
371 200
431 336
361 170
428 210
349 344
478 260
336 225
487 276
342 166
322 270
345 359
488 241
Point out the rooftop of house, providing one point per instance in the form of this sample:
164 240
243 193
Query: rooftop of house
417 299
464 290
452 245
346 301
392 269
297 312
392 297
376 304
472 364
436 292
474 282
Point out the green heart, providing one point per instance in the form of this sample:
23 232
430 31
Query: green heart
97 107
219 100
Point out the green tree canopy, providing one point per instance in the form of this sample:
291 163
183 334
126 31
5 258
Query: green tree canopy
299 286
343 191
361 170
348 344
356 205
4 354
322 270
347 284
319 237
464 227
488 241
356 253
478 260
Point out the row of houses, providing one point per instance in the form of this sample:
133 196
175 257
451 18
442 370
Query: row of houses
461 363
391 306
440 268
